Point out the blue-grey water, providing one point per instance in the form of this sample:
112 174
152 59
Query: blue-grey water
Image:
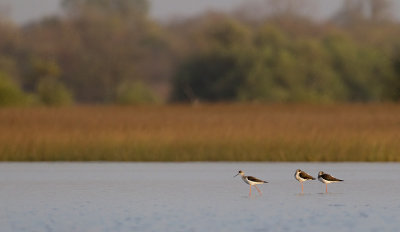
196 197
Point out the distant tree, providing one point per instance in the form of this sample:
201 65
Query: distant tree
351 13
270 64
97 45
43 78
111 51
215 76
217 73
51 92
354 12
364 70
124 8
8 66
227 33
10 44
288 69
287 8
10 93
380 10
132 93
395 93
39 69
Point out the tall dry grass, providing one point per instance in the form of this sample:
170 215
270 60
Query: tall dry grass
279 132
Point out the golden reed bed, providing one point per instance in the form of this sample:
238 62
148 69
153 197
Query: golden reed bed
222 132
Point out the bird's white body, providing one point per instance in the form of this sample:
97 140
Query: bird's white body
324 181
327 181
297 177
247 181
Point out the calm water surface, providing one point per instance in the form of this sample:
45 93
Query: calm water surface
196 197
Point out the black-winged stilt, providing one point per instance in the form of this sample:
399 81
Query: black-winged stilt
327 179
250 180
302 176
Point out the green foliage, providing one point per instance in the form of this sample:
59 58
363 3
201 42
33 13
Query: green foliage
395 90
211 77
276 67
133 93
227 33
39 69
10 93
110 41
364 70
219 73
53 93
100 48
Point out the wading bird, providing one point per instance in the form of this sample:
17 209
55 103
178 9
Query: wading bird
327 179
251 181
302 176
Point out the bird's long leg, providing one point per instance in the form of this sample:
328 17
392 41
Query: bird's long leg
250 191
326 188
301 187
258 189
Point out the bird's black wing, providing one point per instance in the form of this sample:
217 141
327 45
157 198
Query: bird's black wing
251 178
306 176
329 177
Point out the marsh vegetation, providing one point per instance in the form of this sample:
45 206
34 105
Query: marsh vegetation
221 132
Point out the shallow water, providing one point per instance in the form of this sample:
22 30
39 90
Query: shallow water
196 197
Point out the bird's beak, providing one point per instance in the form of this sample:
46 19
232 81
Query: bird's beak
236 175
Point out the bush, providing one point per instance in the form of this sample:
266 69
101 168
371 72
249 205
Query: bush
10 93
277 67
209 77
131 93
53 93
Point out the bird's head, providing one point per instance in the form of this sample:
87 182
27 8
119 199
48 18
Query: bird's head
240 172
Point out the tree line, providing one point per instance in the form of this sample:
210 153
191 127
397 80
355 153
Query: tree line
111 51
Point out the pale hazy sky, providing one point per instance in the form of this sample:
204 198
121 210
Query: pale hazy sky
22 11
